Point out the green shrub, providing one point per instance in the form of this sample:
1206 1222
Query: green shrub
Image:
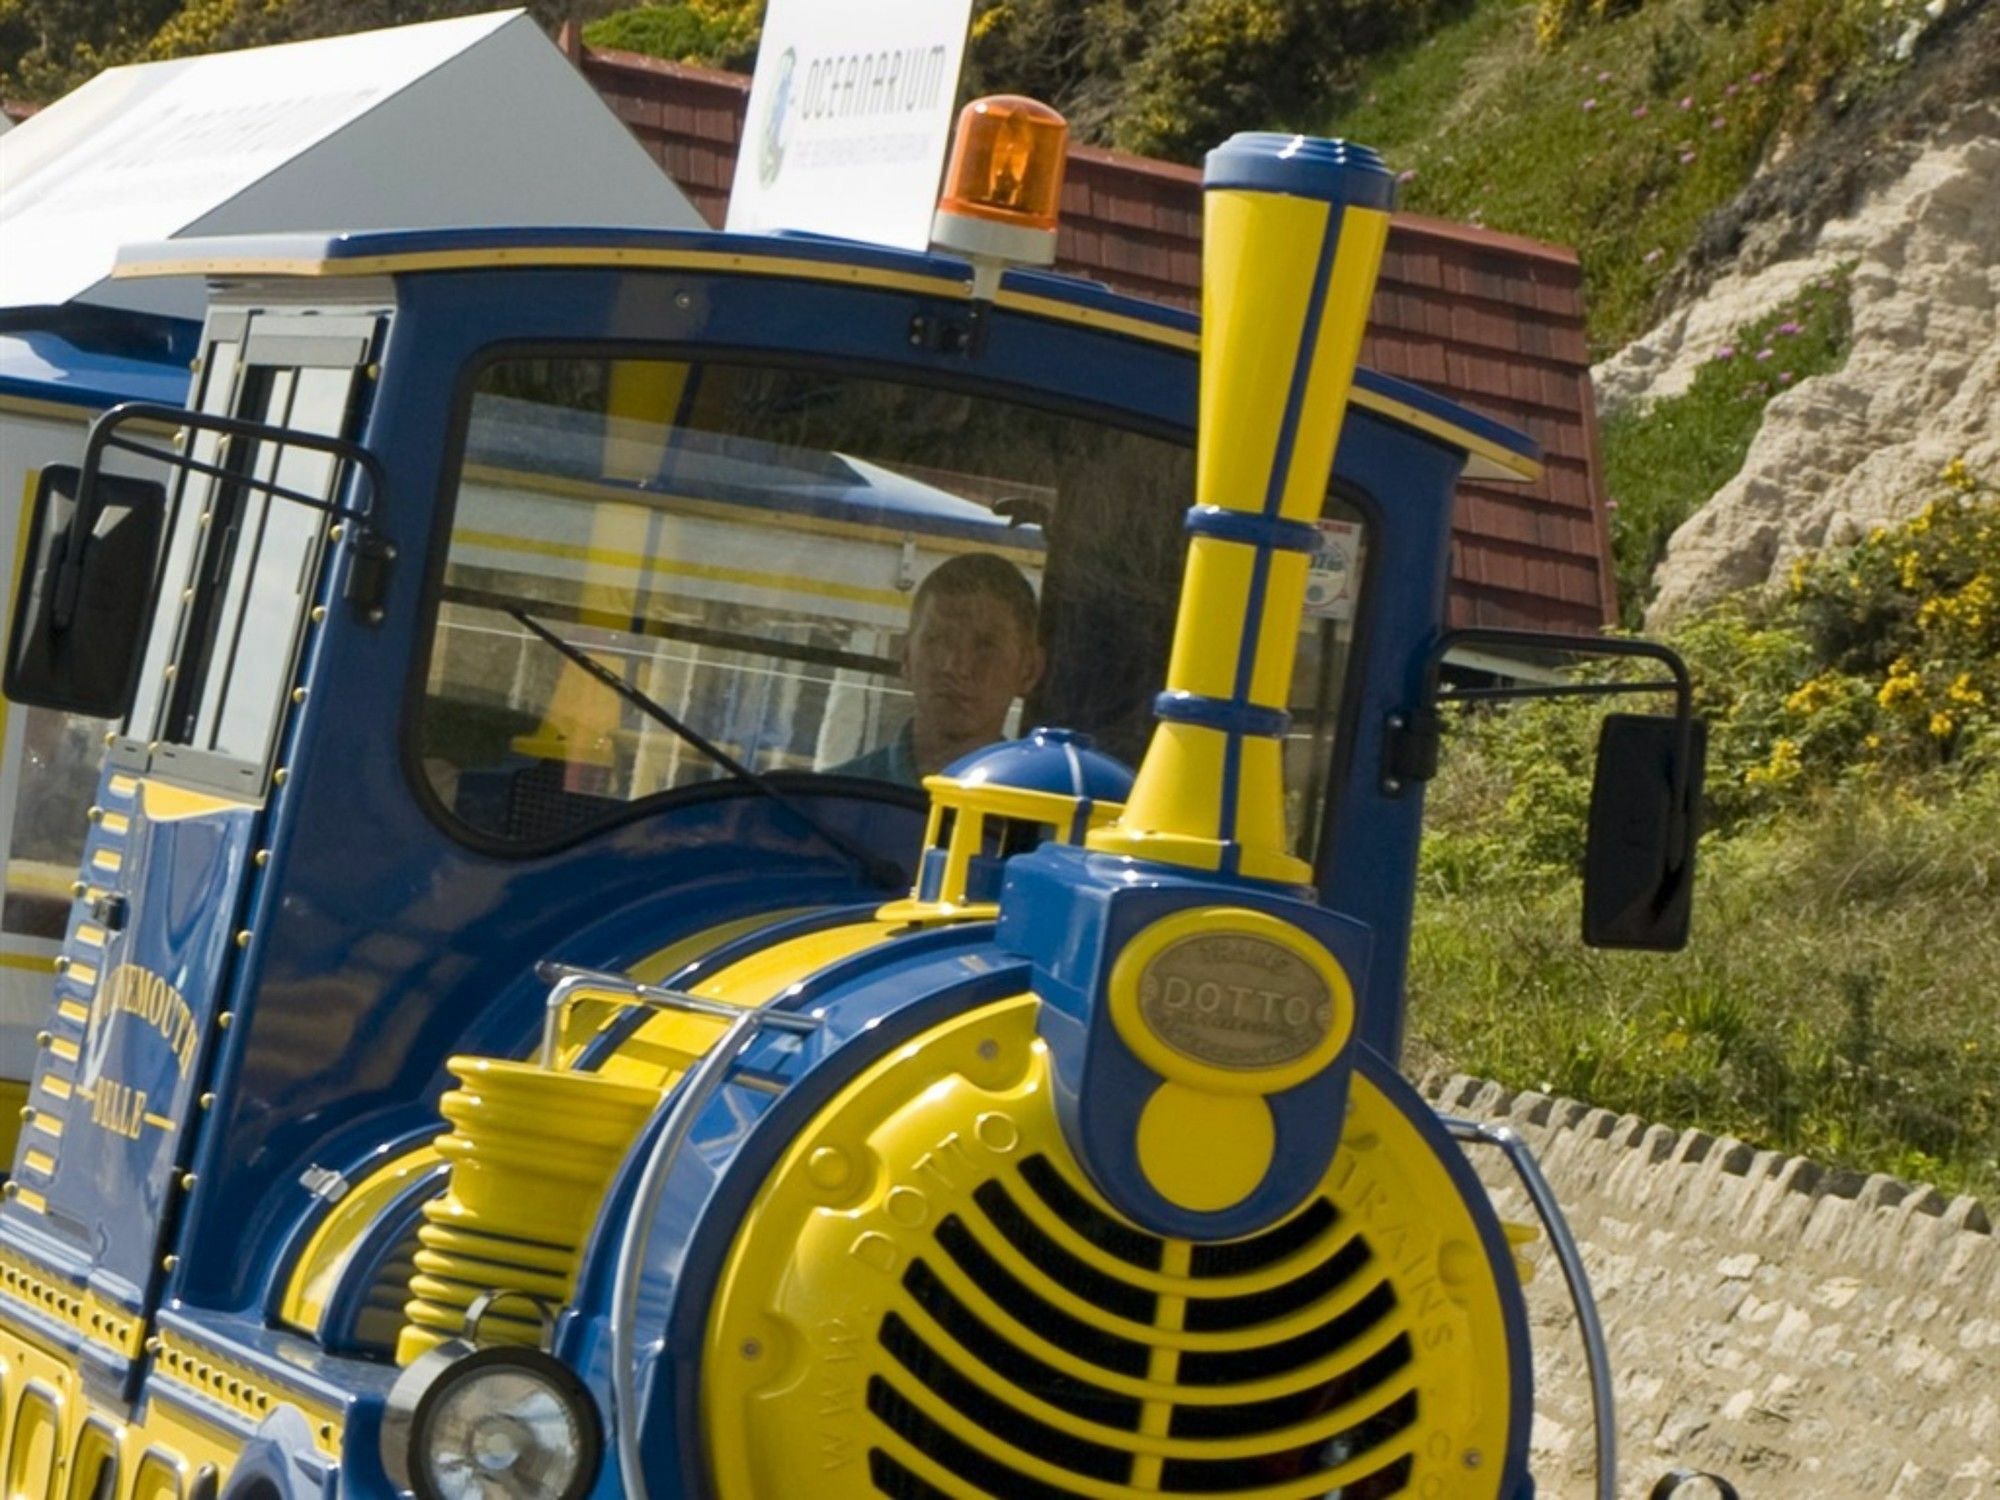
1877 664
1210 67
717 33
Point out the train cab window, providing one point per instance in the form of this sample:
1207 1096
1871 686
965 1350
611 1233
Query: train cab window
242 558
652 560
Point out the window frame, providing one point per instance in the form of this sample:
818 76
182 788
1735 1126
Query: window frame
269 347
424 634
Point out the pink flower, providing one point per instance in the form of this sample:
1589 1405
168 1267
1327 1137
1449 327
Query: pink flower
1611 505
1718 123
1408 174
1727 351
1605 76
1784 377
1589 105
1652 255
1756 78
1688 102
1786 330
1639 111
1732 91
1765 353
1687 158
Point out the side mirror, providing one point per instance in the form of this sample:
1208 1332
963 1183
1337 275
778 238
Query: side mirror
1638 863
86 592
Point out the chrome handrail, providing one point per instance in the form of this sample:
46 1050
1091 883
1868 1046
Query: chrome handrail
680 1108
1596 1352
570 983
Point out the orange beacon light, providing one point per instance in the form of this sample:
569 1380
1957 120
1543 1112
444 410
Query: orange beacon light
1003 188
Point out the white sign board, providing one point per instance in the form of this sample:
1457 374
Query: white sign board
1334 578
850 114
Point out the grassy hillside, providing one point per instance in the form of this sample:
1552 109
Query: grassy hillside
1839 995
1618 136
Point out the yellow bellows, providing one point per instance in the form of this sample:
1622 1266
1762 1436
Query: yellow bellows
532 1153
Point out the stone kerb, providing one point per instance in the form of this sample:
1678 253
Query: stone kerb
1808 1331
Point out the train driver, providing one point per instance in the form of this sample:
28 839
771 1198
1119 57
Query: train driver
972 648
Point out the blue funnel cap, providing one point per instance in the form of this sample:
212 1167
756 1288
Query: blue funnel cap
1060 761
1303 166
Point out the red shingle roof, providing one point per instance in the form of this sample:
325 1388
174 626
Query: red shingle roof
1490 320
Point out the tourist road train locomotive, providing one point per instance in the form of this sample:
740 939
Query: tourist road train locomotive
505 1046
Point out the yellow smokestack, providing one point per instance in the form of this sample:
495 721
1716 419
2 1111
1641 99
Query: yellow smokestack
1292 240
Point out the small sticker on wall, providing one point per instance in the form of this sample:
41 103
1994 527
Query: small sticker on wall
1335 575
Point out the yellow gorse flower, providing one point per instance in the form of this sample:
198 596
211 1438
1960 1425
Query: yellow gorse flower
1783 765
1902 684
1814 694
1963 691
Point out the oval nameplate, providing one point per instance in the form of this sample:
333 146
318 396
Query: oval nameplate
1235 1001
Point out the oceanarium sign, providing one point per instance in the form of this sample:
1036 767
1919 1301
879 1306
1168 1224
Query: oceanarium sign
850 113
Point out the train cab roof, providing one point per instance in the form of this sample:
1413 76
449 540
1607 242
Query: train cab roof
1494 451
90 358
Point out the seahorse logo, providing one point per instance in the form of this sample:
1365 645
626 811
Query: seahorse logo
771 144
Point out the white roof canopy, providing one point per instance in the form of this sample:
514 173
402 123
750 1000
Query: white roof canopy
473 122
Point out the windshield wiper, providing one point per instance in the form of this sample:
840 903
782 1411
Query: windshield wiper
874 869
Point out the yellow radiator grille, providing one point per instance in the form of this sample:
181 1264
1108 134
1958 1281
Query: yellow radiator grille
929 1300
1314 1382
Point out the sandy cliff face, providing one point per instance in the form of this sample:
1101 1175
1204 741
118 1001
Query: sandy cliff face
1847 450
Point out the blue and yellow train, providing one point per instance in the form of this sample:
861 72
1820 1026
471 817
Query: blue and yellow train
517 1033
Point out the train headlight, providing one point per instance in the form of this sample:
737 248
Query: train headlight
500 1423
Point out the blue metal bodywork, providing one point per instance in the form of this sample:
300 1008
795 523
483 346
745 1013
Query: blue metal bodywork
377 941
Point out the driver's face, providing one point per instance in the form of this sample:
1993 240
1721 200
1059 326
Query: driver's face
967 659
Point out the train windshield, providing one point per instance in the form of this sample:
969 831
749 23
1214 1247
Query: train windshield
811 572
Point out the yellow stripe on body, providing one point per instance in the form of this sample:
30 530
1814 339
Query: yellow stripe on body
165 803
1052 309
530 257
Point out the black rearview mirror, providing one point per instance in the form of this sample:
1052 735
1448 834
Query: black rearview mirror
85 592
1638 866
